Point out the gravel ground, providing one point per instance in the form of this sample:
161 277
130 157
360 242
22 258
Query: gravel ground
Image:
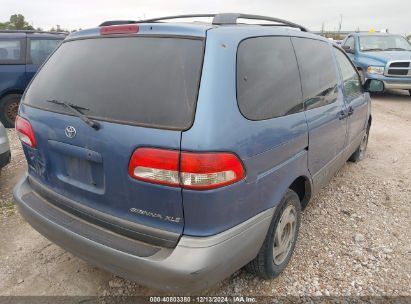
355 237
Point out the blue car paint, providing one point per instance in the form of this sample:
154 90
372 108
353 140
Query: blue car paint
265 147
13 79
115 144
363 60
275 152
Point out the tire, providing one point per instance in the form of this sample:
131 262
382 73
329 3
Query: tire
409 91
9 106
268 264
359 154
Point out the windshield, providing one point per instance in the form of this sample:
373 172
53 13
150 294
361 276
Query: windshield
384 43
144 81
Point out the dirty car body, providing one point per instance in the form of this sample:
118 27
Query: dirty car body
169 180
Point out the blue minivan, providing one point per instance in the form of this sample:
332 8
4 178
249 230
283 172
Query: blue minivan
175 153
21 54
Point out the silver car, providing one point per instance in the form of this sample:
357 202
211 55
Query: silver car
5 154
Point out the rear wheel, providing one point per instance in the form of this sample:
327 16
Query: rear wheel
280 241
409 92
9 106
360 152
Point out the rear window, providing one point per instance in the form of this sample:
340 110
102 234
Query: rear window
143 81
268 81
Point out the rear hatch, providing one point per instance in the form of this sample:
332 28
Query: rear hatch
142 91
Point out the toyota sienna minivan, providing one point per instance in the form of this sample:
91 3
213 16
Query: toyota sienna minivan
175 153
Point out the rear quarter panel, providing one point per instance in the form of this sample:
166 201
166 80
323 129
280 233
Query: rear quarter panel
273 151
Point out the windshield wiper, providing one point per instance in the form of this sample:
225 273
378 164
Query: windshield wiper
396 49
75 109
370 50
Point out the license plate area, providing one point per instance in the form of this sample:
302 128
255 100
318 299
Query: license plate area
77 166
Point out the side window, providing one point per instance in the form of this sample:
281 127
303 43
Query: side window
349 75
11 51
318 72
40 49
350 42
268 82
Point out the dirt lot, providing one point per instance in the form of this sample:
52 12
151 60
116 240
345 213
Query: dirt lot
355 237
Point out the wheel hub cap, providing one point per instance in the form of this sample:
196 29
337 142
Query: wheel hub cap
363 145
284 235
12 110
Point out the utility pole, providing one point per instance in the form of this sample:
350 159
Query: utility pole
340 24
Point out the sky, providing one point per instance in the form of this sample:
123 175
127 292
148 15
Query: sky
393 15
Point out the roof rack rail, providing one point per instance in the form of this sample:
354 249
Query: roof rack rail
231 18
32 32
218 19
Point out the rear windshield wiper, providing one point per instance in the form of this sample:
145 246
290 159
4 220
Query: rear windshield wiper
75 109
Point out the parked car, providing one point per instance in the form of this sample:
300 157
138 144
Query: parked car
5 155
173 154
384 57
21 54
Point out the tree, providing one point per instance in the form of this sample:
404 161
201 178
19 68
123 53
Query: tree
58 28
16 22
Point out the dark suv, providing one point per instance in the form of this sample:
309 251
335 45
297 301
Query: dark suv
21 54
174 154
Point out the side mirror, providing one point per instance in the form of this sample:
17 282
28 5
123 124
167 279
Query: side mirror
348 49
374 86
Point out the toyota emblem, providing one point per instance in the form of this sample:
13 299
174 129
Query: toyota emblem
70 132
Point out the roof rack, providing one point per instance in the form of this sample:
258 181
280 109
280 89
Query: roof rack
218 19
32 32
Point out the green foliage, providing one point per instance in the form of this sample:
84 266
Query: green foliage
16 22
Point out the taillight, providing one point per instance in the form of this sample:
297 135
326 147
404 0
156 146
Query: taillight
119 29
155 166
209 170
190 170
25 132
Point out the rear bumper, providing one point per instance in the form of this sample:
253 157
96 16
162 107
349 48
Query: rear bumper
5 159
195 263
